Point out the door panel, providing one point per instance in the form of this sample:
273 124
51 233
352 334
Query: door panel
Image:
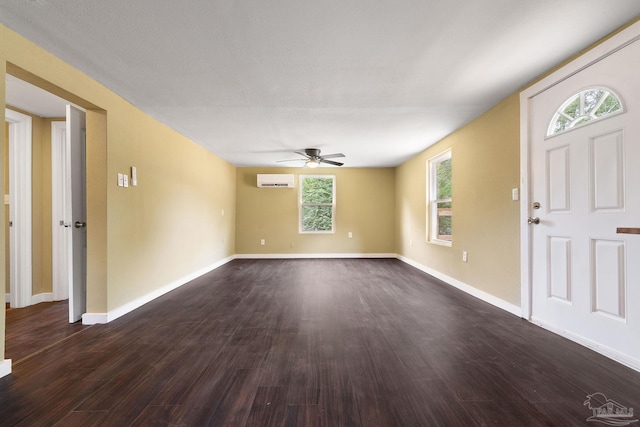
75 212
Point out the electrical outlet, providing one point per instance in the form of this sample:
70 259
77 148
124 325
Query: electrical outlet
350 235
465 256
262 242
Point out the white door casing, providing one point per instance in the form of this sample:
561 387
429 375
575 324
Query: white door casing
580 277
75 212
20 206
59 235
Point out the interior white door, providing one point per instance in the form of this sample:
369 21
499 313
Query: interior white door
20 221
75 212
586 275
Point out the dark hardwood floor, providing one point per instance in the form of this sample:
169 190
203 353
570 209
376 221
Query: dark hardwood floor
313 343
31 329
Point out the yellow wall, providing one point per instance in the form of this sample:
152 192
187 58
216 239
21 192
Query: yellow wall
365 200
143 238
486 166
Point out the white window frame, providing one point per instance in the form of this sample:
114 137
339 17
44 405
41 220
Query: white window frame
332 204
433 201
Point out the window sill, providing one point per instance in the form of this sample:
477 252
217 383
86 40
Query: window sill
447 243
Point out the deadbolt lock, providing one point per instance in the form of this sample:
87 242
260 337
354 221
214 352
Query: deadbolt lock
536 205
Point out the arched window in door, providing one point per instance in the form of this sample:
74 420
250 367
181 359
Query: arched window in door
584 107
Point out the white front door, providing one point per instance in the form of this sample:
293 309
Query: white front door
75 212
585 274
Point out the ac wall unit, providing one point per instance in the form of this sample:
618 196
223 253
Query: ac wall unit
275 180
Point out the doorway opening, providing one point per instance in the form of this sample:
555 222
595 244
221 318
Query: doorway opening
38 163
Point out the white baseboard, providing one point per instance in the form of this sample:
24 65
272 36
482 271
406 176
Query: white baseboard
35 299
95 318
43 297
5 368
306 256
484 296
619 357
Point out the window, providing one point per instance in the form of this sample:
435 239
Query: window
440 202
584 107
317 203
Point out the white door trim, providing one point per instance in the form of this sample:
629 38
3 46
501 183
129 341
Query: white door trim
60 286
606 48
20 207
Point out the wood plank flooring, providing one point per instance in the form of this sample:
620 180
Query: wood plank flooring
313 343
34 328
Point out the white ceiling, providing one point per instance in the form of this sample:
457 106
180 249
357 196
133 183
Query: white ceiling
253 80
32 99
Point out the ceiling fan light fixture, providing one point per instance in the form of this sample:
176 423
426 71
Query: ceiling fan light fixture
312 163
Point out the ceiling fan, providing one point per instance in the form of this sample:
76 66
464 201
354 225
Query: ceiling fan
313 158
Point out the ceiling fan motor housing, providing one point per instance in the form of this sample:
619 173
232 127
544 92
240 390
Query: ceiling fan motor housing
312 152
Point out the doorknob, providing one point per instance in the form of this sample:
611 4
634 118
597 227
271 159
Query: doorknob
79 224
533 220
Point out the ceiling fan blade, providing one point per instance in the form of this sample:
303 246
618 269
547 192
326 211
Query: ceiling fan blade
292 160
332 156
331 162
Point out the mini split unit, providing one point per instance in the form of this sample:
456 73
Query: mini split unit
275 180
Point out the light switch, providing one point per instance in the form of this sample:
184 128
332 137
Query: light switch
126 180
515 194
120 180
7 199
134 176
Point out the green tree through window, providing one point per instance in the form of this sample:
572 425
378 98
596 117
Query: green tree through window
443 177
584 107
317 203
